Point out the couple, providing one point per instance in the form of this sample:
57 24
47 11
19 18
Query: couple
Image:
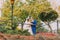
30 25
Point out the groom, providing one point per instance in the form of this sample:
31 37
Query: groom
34 27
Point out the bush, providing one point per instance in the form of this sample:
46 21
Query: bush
10 31
59 31
41 29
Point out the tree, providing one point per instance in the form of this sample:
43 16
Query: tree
19 13
58 10
47 17
22 10
34 7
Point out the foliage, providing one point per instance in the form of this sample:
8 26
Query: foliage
41 29
36 6
33 7
9 31
24 32
22 10
48 17
59 31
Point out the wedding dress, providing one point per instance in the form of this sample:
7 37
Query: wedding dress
27 26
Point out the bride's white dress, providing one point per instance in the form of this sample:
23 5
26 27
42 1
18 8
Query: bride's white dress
27 26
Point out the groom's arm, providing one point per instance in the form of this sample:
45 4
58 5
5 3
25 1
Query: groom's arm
33 24
28 23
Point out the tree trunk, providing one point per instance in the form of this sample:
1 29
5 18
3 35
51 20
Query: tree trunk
57 26
50 27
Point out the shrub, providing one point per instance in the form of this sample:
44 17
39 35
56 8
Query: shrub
10 31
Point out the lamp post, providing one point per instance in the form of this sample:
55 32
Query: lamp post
12 4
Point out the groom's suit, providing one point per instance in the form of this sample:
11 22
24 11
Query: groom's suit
34 27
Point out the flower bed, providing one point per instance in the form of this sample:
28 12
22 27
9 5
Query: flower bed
46 36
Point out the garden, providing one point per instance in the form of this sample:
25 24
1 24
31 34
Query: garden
15 12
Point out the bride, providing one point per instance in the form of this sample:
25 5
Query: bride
27 25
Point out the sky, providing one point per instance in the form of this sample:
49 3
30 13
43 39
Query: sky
54 5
